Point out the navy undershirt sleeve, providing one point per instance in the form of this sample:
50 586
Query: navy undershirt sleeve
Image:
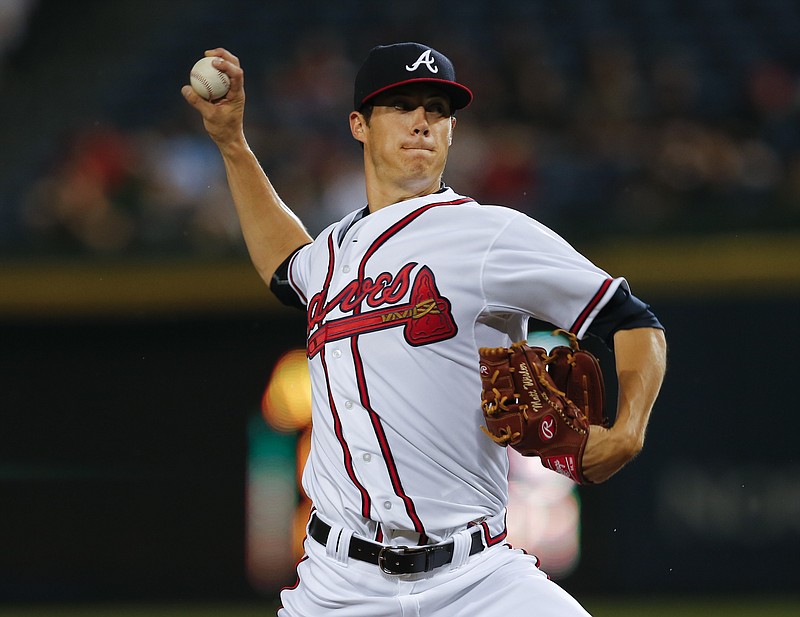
623 311
280 284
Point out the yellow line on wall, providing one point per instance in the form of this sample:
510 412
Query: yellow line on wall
731 264
88 288
721 265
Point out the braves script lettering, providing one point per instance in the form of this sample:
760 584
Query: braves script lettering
385 289
426 317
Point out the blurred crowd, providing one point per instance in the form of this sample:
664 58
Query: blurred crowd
608 133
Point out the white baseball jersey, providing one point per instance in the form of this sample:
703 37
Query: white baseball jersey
398 304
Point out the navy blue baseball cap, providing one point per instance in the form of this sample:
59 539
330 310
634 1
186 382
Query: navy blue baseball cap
389 66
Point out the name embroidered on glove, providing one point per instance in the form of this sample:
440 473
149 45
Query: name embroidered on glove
542 404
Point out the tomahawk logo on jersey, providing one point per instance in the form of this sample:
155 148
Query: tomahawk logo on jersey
426 316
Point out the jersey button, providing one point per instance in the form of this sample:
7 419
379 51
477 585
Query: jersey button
367 458
345 269
337 353
349 405
387 505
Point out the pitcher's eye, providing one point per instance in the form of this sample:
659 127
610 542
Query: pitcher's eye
438 108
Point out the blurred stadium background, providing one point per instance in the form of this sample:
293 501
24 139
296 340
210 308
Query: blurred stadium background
142 463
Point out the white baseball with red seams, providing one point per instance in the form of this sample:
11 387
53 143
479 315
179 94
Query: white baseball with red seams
208 81
395 323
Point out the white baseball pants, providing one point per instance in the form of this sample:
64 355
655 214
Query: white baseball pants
499 581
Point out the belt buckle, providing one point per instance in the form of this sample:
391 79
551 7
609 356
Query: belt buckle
400 550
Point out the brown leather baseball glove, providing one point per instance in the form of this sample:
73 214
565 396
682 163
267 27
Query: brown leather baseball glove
542 404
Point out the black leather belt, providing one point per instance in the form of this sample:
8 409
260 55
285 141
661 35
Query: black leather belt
396 559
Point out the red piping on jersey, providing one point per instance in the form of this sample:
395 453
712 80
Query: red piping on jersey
337 423
377 426
591 306
347 456
491 541
402 223
386 450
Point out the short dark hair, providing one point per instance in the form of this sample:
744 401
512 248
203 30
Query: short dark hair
366 111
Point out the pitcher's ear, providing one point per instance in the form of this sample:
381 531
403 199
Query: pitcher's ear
357 125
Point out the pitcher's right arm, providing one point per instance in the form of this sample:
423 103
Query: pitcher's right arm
271 230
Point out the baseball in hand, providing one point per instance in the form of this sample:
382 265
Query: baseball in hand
207 81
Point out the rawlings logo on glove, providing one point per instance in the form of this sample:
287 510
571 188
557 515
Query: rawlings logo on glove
542 404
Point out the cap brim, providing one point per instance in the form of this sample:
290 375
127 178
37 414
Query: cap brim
460 96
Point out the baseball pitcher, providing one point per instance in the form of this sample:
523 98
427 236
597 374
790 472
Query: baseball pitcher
418 304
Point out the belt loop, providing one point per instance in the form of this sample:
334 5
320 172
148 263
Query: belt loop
338 538
343 550
462 543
